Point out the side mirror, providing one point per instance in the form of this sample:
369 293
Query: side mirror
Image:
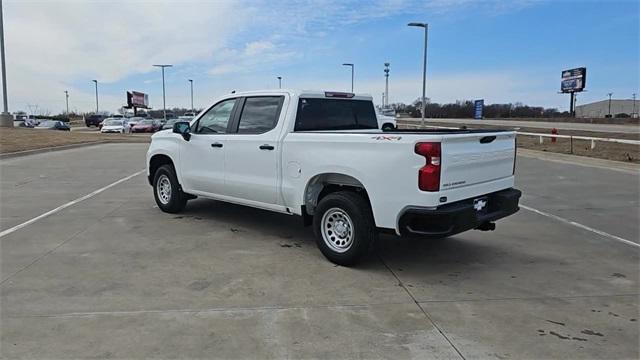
183 128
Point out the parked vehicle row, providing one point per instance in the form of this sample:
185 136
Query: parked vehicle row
45 124
130 125
53 125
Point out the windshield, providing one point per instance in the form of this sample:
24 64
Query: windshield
113 123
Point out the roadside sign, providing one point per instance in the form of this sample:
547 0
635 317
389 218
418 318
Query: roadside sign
478 108
573 80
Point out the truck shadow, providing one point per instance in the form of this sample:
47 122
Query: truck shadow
458 251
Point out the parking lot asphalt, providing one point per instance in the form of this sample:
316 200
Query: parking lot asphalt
112 276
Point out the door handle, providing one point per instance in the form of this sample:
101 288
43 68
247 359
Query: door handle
216 145
266 147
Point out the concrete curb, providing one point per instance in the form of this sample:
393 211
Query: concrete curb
52 148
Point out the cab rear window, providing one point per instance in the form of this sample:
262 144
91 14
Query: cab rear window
333 114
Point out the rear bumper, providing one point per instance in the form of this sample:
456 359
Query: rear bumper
457 217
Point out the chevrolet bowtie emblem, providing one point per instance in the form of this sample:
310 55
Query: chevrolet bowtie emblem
479 204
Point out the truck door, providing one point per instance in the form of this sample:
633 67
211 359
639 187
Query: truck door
202 158
253 153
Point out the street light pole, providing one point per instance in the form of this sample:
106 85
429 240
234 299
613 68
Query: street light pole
352 70
424 67
191 83
6 120
66 94
610 103
97 108
279 82
386 85
164 100
633 113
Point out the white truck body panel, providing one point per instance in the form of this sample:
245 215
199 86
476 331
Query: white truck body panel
383 163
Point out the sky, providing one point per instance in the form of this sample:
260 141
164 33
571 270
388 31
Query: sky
500 51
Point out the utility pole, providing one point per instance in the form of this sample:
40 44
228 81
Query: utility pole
386 86
164 100
424 67
97 108
191 83
633 113
6 120
66 94
610 103
352 66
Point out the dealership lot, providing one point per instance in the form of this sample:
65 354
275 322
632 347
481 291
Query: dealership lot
112 276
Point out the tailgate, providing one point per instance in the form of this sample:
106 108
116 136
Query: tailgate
469 159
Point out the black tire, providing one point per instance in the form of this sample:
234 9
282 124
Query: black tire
364 233
388 127
177 200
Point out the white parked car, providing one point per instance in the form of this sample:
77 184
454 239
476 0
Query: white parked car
114 125
321 156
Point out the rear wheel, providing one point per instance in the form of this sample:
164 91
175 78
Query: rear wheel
166 190
387 127
344 227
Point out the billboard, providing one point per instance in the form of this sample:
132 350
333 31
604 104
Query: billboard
137 99
478 107
573 80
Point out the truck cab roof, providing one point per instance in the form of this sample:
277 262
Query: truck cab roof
307 94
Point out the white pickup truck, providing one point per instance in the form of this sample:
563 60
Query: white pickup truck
321 156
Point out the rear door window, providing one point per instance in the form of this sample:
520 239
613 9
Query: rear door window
259 114
333 114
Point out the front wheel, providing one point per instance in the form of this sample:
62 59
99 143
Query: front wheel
166 190
388 127
344 227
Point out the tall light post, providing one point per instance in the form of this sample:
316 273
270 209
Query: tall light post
97 108
279 82
609 94
164 100
66 95
351 65
633 113
6 120
386 86
191 84
424 67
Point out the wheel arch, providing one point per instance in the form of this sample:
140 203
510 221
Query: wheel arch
323 184
155 162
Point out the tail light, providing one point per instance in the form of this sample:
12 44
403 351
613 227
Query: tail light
429 175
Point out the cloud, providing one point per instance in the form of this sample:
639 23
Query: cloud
52 45
258 55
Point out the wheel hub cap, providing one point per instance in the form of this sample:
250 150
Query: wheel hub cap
163 189
337 230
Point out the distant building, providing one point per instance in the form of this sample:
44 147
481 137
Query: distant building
600 109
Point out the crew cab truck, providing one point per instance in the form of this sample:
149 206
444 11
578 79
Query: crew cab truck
321 156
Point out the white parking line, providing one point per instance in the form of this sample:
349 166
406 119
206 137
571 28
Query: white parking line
70 203
584 227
